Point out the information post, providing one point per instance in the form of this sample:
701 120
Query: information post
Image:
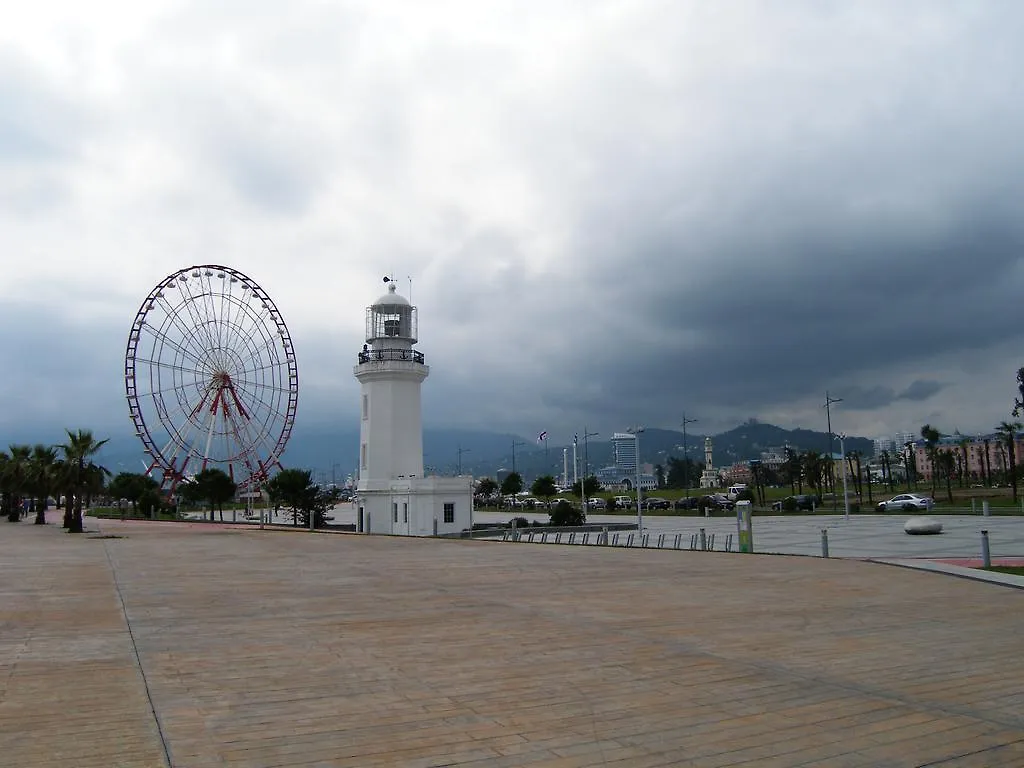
744 527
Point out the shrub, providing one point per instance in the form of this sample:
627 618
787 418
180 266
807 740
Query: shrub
566 514
745 495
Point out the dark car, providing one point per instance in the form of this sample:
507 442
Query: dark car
717 501
655 502
803 501
689 502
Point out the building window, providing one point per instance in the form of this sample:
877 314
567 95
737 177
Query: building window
449 512
394 510
405 512
362 456
366 407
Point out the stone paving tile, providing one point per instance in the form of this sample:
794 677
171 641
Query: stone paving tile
264 649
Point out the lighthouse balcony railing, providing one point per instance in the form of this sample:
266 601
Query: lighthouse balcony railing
380 355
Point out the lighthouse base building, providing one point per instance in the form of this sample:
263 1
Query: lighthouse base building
393 495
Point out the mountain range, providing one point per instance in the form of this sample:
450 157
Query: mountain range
331 452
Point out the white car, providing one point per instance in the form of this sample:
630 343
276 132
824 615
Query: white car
907 502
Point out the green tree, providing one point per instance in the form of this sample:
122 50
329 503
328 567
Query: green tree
659 475
1007 432
486 486
79 451
565 513
295 489
133 486
215 487
590 484
512 484
544 487
15 480
43 478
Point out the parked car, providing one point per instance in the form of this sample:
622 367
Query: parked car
907 502
655 502
717 501
805 501
531 502
688 502
597 503
623 502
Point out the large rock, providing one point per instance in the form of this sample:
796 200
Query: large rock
922 525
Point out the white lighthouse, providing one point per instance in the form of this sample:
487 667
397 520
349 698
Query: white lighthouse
394 496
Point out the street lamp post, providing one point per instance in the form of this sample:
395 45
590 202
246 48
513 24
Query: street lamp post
586 466
842 458
828 416
515 444
686 458
635 431
461 451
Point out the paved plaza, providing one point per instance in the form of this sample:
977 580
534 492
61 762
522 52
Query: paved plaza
174 644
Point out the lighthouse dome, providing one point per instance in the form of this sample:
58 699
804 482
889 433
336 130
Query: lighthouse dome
391 298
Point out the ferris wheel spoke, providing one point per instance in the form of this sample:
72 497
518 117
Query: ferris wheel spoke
189 337
200 325
244 346
163 338
252 396
168 366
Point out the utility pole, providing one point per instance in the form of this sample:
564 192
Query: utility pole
686 458
460 452
635 431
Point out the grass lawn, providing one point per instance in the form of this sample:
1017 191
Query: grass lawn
1016 570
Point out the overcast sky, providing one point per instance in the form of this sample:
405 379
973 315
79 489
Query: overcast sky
612 212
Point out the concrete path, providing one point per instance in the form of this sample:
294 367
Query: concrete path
212 646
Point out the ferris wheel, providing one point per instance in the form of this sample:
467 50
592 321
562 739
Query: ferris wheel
211 377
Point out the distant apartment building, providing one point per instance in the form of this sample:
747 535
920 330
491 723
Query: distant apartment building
774 458
893 443
987 455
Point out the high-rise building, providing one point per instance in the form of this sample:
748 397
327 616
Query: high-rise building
624 446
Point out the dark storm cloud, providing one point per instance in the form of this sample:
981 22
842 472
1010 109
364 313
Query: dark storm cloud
61 373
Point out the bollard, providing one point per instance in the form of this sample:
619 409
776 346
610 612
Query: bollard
679 538
629 540
974 506
693 541
572 537
711 543
644 539
558 538
728 543
985 508
703 540
615 540
515 532
586 538
544 537
604 535
986 555
824 542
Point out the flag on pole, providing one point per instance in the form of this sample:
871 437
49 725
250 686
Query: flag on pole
542 436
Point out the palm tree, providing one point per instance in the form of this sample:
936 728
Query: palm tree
78 451
44 459
964 443
987 463
1008 430
16 479
931 436
947 462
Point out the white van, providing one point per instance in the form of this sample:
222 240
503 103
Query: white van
736 490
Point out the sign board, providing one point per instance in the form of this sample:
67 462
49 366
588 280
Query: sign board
744 526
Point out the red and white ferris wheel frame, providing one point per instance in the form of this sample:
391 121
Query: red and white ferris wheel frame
211 377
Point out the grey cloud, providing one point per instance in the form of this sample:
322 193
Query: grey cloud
920 389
